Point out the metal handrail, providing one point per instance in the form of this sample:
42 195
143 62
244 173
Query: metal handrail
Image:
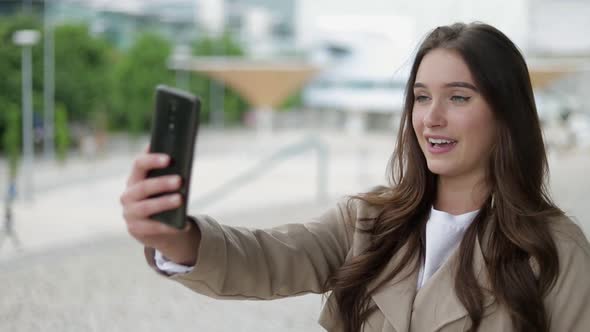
267 163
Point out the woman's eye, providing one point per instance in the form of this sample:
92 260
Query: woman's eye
421 99
460 99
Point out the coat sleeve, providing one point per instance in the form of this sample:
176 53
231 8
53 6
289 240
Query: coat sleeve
293 259
569 301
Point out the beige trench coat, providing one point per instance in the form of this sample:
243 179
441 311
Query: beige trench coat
293 259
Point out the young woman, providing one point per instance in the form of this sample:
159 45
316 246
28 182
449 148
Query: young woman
465 238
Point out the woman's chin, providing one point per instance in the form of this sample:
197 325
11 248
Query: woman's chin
443 169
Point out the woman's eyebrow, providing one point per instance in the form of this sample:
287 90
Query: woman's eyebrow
461 85
450 85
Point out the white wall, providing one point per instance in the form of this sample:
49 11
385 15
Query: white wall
210 15
309 12
560 26
510 16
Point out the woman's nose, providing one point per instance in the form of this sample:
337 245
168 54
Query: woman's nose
435 116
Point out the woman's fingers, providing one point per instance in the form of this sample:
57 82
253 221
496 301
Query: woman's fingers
138 206
146 188
145 228
145 163
141 226
145 208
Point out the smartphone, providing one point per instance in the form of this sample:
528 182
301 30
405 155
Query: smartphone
175 123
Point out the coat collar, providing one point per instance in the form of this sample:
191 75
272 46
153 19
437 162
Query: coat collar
435 304
395 298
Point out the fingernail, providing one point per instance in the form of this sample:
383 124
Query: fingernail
174 180
175 199
163 159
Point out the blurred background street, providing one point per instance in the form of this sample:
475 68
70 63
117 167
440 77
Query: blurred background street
301 102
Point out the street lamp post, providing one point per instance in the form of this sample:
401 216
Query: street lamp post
48 86
182 54
26 39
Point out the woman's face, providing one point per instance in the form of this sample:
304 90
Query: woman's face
454 125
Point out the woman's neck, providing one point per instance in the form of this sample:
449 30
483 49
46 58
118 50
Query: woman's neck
458 195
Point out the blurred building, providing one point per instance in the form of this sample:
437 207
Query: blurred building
122 21
264 27
12 7
366 72
363 50
559 27
536 26
365 68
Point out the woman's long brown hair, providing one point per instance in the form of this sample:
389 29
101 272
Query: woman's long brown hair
514 215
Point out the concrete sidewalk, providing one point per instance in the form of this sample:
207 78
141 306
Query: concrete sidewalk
79 201
105 285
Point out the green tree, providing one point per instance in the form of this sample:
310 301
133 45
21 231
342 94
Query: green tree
294 101
233 105
82 72
62 133
136 75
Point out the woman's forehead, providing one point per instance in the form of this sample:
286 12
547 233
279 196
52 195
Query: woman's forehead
440 68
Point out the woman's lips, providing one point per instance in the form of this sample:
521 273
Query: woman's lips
440 148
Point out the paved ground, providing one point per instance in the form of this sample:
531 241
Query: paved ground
79 271
104 285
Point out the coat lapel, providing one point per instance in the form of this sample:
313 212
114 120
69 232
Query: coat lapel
437 305
434 305
396 297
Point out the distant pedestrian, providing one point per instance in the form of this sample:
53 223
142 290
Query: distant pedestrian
8 231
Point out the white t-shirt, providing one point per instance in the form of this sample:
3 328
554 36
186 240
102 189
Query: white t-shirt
444 232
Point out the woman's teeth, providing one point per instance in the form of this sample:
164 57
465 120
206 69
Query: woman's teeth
440 141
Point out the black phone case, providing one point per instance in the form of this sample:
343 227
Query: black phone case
174 130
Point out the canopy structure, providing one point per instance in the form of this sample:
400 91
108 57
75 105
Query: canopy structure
543 77
544 71
263 84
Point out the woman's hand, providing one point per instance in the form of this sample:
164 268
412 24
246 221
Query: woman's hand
179 246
